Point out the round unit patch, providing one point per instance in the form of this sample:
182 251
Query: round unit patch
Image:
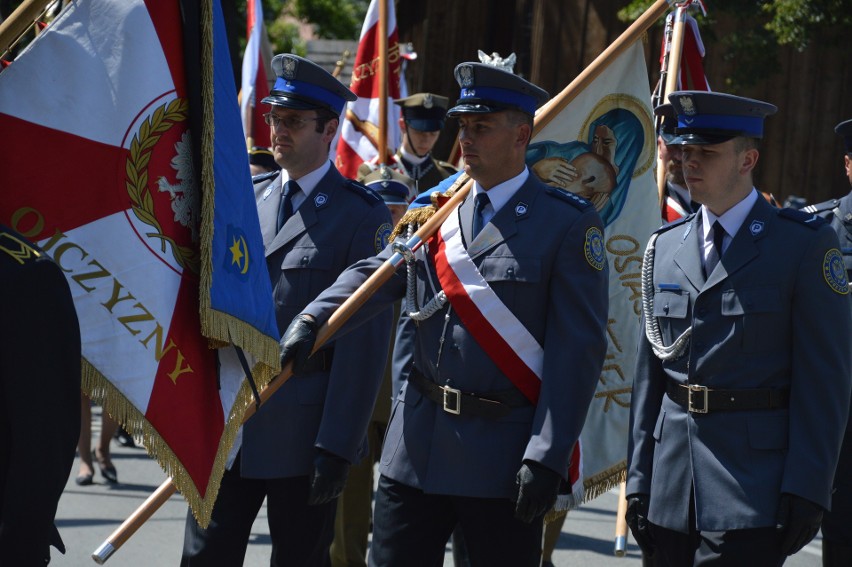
382 236
594 248
834 271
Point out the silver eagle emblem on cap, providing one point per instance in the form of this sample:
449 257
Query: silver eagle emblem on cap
687 105
288 68
428 102
466 75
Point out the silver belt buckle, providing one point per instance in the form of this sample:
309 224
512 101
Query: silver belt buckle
452 400
693 388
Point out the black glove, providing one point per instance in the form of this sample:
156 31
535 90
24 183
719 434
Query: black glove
298 341
537 486
328 477
798 522
637 519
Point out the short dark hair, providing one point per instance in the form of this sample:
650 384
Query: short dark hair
742 143
324 116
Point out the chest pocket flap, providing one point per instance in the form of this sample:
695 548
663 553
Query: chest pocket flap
308 257
671 303
511 268
757 300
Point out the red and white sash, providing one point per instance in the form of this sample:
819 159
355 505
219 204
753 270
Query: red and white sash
494 327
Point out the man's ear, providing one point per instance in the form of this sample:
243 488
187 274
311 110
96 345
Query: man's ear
749 160
331 128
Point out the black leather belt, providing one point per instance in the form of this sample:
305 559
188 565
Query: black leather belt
700 399
490 405
319 361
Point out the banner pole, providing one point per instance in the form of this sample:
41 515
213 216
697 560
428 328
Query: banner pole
599 65
383 81
672 74
19 21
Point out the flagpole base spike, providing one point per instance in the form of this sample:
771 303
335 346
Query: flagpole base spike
103 553
620 546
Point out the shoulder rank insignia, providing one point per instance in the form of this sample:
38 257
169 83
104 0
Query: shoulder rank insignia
19 250
593 248
821 207
674 223
811 220
364 192
263 177
568 197
834 271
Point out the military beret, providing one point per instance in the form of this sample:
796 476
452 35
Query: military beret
393 187
304 85
844 129
263 157
424 111
705 117
486 88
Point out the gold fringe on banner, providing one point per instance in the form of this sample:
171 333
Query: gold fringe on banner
101 391
593 487
222 328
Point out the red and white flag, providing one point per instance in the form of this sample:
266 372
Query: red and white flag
146 240
255 85
359 134
691 76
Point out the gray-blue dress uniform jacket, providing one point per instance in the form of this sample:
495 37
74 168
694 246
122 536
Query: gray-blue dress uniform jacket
532 255
766 318
339 223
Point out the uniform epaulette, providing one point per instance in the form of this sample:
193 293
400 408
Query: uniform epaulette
821 207
569 197
255 179
674 223
810 220
364 192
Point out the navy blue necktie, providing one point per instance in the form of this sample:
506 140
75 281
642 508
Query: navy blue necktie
285 207
479 203
715 254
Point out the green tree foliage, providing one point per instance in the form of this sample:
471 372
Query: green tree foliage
760 27
330 19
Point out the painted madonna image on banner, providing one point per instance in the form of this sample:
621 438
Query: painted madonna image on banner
611 150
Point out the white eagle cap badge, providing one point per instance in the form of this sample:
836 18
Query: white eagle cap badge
288 68
687 105
466 75
428 102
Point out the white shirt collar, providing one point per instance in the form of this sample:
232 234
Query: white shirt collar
731 220
308 183
410 157
500 194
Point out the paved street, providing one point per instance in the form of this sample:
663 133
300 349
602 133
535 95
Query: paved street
89 514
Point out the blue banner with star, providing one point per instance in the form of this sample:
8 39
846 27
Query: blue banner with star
240 309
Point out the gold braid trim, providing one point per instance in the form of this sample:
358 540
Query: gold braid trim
219 327
420 215
103 392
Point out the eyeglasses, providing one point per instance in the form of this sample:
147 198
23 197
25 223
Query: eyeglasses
290 122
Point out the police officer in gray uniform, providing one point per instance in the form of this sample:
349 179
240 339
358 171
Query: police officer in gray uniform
739 398
297 449
837 523
473 439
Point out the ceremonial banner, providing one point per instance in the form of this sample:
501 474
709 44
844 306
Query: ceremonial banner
601 147
359 134
255 86
157 247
